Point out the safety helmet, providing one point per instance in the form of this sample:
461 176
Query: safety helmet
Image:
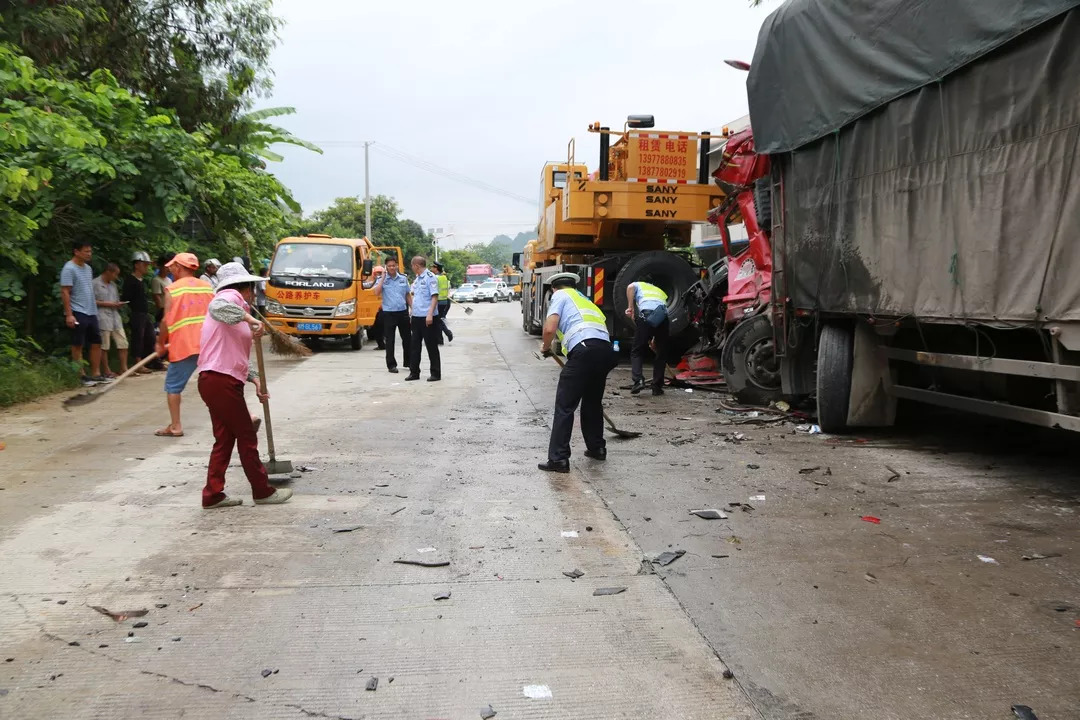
212 261
140 256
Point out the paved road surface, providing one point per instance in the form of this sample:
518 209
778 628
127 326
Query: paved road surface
820 614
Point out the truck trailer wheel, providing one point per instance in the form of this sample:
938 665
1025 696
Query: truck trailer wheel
668 272
834 366
749 361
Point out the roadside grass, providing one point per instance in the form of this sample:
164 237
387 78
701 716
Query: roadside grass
21 382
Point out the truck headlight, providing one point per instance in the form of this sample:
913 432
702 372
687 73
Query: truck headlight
273 307
345 308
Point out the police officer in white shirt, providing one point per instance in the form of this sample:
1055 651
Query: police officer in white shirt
425 315
581 329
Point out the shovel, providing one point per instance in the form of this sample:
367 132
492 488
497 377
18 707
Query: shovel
273 466
625 434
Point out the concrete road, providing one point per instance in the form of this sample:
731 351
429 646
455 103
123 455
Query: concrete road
819 613
98 512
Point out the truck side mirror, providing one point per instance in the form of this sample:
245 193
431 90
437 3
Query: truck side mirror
367 267
516 260
640 121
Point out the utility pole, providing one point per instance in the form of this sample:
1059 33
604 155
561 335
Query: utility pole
367 194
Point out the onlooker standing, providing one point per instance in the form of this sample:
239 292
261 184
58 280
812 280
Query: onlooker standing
158 284
186 300
210 275
142 325
393 288
425 314
80 309
260 291
224 367
444 301
107 295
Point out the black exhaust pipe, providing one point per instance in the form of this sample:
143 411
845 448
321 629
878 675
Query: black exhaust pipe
605 142
703 159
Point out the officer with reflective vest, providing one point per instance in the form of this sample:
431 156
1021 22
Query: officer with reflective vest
186 300
646 304
444 301
581 329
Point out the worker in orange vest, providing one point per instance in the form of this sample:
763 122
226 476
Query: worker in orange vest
186 301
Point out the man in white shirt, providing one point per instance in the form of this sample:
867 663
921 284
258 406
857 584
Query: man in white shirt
110 324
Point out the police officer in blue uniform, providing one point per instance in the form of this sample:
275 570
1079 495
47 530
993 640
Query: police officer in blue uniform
581 329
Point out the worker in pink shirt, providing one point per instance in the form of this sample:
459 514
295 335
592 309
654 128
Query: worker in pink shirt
224 367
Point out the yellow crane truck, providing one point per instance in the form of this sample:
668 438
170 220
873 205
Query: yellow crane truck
614 227
316 287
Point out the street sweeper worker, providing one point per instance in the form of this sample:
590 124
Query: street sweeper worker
646 305
224 367
581 329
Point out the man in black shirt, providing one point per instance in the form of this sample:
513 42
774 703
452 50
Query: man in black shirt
142 325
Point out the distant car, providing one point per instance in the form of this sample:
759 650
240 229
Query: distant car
494 291
465 293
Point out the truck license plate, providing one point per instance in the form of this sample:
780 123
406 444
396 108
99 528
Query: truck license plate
309 327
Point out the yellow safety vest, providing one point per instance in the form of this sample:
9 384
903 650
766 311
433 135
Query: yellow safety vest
591 316
444 286
651 292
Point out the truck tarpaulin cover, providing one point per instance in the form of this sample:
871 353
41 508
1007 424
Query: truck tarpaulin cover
958 200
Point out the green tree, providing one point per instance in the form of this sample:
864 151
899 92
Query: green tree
205 59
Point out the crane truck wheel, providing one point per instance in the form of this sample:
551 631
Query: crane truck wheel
749 361
835 360
669 272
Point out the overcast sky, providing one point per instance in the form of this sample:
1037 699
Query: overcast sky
491 90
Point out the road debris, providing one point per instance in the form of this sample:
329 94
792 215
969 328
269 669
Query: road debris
1040 556
808 429
752 466
427 512
426 550
120 615
194 607
351 528
809 470
668 557
870 577
398 510
267 672
161 606
569 533
871 519
721 557
709 514
893 474
372 684
822 483
444 595
987 559
537 692
306 468
140 624
424 563
487 712
573 574
1023 712
608 591
734 540
757 498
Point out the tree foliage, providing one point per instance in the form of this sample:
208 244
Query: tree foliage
205 59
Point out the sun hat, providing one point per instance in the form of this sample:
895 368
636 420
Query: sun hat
565 278
234 273
187 260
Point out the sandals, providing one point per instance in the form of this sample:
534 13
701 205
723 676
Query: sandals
167 432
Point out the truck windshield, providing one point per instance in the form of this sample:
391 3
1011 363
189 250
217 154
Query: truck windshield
313 260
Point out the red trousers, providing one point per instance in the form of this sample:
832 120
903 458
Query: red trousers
224 396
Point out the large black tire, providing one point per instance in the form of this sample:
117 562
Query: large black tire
835 360
751 368
356 340
669 272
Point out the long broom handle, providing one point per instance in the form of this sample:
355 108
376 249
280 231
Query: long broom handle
130 371
265 401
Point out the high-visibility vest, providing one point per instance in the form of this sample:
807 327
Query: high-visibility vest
188 300
591 317
649 291
444 286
